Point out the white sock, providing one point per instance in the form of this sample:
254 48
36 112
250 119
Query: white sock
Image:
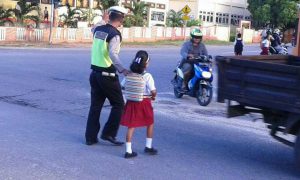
149 142
128 147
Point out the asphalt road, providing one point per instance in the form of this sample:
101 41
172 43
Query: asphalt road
44 102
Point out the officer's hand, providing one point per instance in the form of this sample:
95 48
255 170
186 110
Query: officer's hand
125 72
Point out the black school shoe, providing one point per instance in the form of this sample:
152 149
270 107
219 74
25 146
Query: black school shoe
112 140
130 155
91 142
150 151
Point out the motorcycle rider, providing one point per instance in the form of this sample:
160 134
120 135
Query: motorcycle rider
276 41
191 49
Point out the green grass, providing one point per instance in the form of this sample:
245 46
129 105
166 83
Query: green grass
172 43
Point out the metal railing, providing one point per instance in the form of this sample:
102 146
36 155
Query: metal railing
2 34
71 34
38 34
21 34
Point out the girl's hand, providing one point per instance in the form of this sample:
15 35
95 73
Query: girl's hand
153 95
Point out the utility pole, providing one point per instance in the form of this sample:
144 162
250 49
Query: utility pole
51 21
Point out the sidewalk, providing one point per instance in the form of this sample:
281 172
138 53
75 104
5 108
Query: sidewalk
170 43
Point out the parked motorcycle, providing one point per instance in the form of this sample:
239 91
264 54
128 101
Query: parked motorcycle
200 86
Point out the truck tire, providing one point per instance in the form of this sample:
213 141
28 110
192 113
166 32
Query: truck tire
297 151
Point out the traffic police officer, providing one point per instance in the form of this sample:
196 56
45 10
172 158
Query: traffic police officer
104 80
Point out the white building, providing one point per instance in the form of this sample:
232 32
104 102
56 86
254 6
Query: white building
215 12
157 11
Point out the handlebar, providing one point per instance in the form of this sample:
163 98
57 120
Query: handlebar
201 58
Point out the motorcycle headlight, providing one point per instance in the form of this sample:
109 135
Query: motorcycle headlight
206 75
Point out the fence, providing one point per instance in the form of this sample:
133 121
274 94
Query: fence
133 34
2 34
38 34
21 34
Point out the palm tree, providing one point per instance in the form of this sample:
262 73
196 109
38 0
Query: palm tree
87 15
23 14
174 19
6 16
139 13
106 4
71 18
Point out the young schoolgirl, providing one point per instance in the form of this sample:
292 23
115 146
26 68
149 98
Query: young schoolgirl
265 45
139 113
238 45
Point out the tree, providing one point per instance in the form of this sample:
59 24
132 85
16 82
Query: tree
138 16
104 5
273 13
24 12
6 16
71 18
87 15
174 19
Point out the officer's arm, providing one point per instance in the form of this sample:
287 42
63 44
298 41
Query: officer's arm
114 48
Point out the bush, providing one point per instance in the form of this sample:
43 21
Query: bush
232 37
193 22
128 21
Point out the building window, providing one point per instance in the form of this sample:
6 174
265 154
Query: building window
157 16
151 5
160 6
235 19
222 18
206 16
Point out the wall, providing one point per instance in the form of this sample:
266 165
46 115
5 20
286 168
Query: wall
133 34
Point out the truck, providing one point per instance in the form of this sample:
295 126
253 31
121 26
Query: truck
269 85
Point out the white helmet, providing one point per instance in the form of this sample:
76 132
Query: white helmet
118 10
276 31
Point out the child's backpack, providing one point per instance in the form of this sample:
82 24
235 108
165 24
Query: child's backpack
134 87
238 46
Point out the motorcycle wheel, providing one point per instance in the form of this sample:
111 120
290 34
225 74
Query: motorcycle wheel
297 151
176 91
204 95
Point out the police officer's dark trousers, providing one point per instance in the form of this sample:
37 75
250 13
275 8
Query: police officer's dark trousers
103 87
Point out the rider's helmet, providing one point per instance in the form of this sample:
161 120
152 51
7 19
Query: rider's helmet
196 34
276 31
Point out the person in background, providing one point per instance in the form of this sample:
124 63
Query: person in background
265 44
46 14
238 45
103 21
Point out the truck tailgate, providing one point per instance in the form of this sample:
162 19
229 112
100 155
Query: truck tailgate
260 81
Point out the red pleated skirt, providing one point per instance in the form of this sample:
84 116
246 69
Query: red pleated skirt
265 51
138 114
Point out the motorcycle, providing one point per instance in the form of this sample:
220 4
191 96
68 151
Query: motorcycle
284 50
200 85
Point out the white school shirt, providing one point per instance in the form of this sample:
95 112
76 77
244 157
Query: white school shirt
149 83
265 43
